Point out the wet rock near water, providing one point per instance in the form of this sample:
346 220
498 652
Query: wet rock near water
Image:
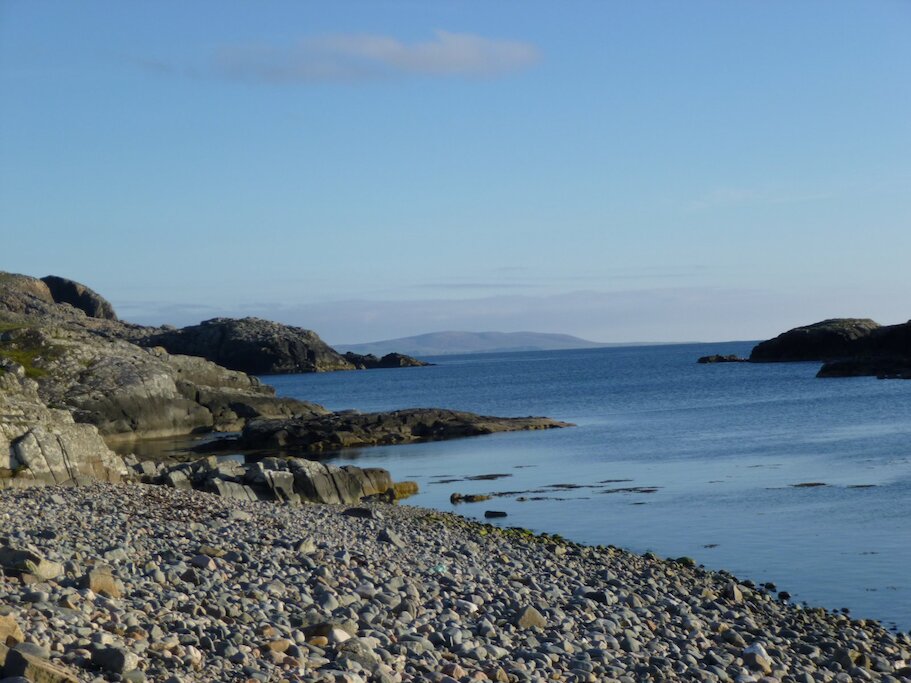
284 480
157 584
349 430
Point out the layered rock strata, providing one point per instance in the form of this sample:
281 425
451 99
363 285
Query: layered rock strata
286 480
40 445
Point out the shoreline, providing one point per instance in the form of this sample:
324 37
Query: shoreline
213 589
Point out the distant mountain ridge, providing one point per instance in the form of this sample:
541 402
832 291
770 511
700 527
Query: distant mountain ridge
450 343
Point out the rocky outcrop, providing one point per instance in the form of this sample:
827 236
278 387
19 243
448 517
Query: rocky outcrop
23 295
849 347
252 345
717 358
94 371
291 480
884 368
390 360
826 340
40 445
127 391
350 430
79 296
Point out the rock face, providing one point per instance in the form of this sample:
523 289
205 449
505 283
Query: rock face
849 347
829 339
40 445
277 479
346 430
390 360
252 345
79 296
127 391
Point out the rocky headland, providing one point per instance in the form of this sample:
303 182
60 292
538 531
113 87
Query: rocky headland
75 380
252 345
848 347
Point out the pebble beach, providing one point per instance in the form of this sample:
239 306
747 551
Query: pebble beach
127 582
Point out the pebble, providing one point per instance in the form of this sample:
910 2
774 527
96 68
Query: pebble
208 589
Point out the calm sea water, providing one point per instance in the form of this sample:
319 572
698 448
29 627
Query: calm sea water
720 447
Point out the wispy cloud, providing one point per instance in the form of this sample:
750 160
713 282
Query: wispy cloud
366 57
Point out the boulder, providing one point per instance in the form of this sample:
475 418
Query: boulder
32 667
100 579
10 632
529 617
17 561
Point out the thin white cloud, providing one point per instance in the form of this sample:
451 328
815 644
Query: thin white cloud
364 57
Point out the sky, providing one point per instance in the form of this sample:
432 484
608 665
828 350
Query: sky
621 171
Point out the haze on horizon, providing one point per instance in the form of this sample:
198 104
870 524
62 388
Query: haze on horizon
616 171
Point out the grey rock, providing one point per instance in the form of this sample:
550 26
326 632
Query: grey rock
116 660
529 617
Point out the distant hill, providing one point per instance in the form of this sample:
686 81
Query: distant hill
446 343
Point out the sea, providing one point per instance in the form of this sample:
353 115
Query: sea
762 470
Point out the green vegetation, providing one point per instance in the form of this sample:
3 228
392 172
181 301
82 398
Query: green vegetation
28 350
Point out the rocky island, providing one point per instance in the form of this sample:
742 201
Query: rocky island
847 347
216 570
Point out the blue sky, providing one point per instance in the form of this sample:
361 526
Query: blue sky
622 171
